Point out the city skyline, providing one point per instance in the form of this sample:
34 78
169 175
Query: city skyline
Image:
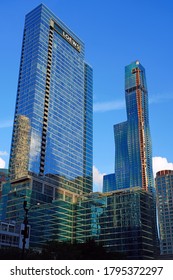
108 57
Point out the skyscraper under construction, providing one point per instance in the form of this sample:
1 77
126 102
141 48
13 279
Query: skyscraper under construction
133 152
136 232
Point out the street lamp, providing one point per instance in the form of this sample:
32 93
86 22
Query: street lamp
25 232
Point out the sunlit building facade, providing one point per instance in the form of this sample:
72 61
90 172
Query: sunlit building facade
55 94
20 150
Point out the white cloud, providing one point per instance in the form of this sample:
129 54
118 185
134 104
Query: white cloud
120 104
159 98
97 180
109 106
3 153
2 163
6 123
160 163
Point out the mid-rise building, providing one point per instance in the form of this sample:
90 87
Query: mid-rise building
4 176
4 189
164 198
109 182
122 221
9 235
51 209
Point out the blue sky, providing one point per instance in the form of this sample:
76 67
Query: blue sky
115 32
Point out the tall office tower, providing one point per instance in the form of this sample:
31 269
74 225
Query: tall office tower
133 157
55 95
164 198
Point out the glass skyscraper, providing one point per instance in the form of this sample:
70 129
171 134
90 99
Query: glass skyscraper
51 150
133 156
54 97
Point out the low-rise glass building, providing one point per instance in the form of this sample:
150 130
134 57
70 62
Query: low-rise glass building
164 198
51 209
122 221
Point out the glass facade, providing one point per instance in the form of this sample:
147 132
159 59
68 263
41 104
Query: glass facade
89 208
121 221
55 94
51 212
109 183
133 158
122 176
164 198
